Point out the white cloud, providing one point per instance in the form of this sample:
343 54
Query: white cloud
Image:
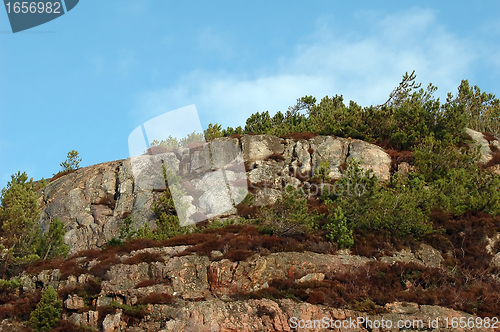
364 68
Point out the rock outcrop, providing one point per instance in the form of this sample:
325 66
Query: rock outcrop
94 201
171 288
204 294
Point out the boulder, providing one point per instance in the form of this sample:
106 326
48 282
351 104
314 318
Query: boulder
260 147
89 318
479 141
74 302
371 157
331 151
112 323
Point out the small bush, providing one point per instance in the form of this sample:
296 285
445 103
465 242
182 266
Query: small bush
8 290
237 255
47 312
338 229
212 132
102 267
147 283
72 162
321 172
300 136
290 214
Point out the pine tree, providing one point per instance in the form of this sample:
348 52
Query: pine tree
52 242
72 162
19 213
47 312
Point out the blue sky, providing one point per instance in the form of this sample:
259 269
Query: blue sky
85 80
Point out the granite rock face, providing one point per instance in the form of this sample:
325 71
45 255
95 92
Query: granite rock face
482 143
213 178
93 201
206 293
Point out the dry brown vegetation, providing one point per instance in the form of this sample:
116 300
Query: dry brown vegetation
489 137
370 287
157 298
495 160
19 306
60 174
238 243
300 136
276 157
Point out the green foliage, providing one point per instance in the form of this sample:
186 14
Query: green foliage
218 224
212 132
21 237
52 242
167 214
127 232
114 242
259 123
321 172
248 200
355 182
456 184
482 109
403 90
47 312
289 215
172 143
414 119
72 162
190 138
435 158
42 183
332 117
138 311
10 284
409 116
398 208
232 131
338 229
462 190
19 213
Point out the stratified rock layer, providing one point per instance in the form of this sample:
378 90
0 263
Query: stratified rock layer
207 294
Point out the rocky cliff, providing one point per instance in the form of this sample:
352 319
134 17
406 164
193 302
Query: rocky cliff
163 289
93 201
213 281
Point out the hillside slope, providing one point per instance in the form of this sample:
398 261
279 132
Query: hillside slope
235 275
